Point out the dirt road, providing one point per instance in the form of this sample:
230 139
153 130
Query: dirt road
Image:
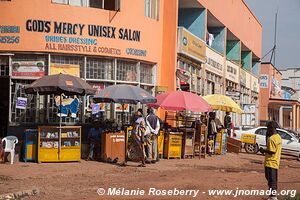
82 180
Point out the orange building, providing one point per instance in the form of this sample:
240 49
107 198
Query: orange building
104 42
273 104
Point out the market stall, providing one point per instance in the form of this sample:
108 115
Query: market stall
60 143
116 142
182 103
223 103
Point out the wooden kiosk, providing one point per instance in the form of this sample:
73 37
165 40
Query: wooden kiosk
48 140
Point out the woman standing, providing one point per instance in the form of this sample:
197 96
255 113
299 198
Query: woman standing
136 150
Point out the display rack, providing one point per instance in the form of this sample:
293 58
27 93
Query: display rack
49 149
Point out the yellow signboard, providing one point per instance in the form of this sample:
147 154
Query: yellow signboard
248 138
70 69
191 45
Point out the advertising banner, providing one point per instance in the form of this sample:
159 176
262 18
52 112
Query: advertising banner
254 85
232 72
243 77
70 69
21 103
264 81
214 62
118 107
28 69
191 45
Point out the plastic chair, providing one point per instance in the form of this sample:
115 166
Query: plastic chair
10 144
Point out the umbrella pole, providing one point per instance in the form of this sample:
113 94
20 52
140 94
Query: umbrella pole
122 115
60 121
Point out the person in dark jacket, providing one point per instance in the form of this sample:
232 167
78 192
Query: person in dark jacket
153 127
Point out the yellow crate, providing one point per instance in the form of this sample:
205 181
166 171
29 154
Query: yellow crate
248 138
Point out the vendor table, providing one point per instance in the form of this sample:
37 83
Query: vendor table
188 140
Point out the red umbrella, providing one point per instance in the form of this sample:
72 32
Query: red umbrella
180 101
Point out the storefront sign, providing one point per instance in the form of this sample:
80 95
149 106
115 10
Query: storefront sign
191 45
184 76
264 80
28 69
243 77
76 36
118 107
214 62
254 85
21 103
233 95
276 88
232 71
248 80
9 34
70 69
161 89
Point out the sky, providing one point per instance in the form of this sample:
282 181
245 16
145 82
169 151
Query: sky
288 29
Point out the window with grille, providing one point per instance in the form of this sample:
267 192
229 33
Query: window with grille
4 66
27 115
146 72
99 69
152 9
102 4
126 71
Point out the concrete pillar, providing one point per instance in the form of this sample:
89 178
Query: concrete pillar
294 117
281 116
297 120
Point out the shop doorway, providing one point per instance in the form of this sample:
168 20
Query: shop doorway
4 105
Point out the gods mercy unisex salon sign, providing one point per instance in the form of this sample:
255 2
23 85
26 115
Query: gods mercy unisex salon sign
79 29
82 38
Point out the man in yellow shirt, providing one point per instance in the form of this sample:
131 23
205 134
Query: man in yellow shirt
272 158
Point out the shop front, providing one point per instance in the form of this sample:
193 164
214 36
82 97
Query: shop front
233 86
245 99
214 72
254 97
191 56
91 48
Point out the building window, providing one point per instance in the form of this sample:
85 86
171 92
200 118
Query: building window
146 73
82 3
4 67
27 115
126 71
99 69
152 9
102 4
61 1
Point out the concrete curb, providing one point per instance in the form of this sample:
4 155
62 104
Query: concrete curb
19 195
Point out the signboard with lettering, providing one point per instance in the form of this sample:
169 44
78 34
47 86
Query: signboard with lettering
276 88
243 77
21 103
70 69
76 36
248 80
264 81
28 69
254 85
232 71
191 45
214 62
